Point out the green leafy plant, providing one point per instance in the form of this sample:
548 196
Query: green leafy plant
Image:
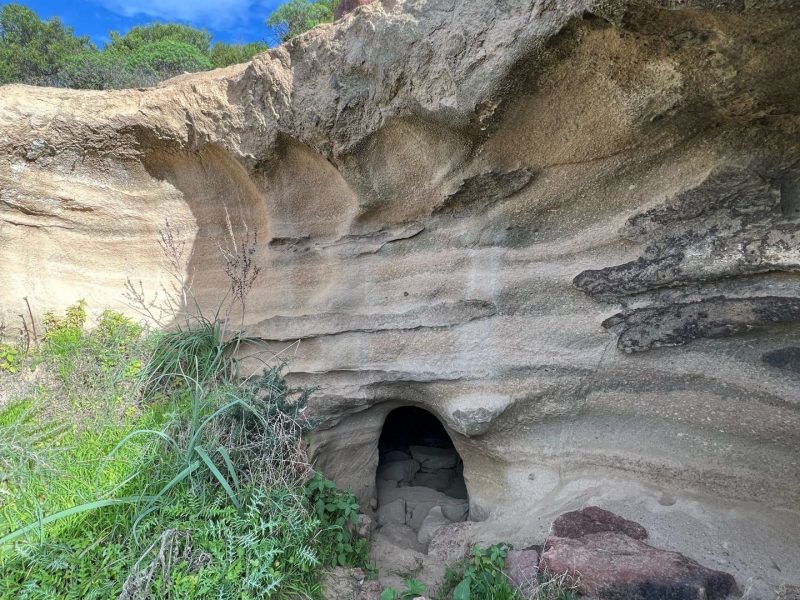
10 358
413 589
481 576
74 318
107 354
337 512
198 352
264 550
215 498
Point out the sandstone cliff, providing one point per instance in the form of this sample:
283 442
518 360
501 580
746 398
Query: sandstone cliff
569 229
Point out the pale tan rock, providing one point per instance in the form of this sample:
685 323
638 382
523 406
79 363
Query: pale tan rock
450 544
428 178
432 523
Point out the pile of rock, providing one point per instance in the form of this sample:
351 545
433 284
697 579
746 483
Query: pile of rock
598 553
419 492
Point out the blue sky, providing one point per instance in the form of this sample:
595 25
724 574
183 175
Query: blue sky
227 20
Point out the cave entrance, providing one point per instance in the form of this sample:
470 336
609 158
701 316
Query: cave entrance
420 478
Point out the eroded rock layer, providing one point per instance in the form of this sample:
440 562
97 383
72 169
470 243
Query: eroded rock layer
568 229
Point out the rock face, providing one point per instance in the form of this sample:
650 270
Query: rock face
568 228
346 6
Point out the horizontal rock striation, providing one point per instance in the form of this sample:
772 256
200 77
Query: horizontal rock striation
567 228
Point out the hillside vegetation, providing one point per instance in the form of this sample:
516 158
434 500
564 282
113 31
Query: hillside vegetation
138 464
49 53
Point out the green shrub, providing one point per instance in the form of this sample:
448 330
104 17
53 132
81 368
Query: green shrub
63 337
481 577
114 338
167 58
104 70
413 589
108 352
10 358
483 574
144 35
73 318
222 54
337 512
298 16
265 550
33 51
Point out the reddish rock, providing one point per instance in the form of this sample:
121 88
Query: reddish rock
522 566
594 519
346 6
613 566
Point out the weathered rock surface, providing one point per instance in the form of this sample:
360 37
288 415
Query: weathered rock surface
418 501
392 512
614 566
399 471
522 567
433 522
452 198
451 543
397 553
346 6
594 519
431 459
365 526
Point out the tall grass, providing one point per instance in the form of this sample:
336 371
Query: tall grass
153 471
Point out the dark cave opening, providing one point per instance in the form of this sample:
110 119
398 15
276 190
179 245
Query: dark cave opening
412 426
420 478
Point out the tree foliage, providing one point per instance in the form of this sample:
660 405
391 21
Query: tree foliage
144 35
167 58
40 52
298 16
34 51
46 52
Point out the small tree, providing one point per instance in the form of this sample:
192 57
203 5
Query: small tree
34 51
298 16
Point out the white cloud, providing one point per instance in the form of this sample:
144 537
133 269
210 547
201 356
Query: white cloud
215 13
